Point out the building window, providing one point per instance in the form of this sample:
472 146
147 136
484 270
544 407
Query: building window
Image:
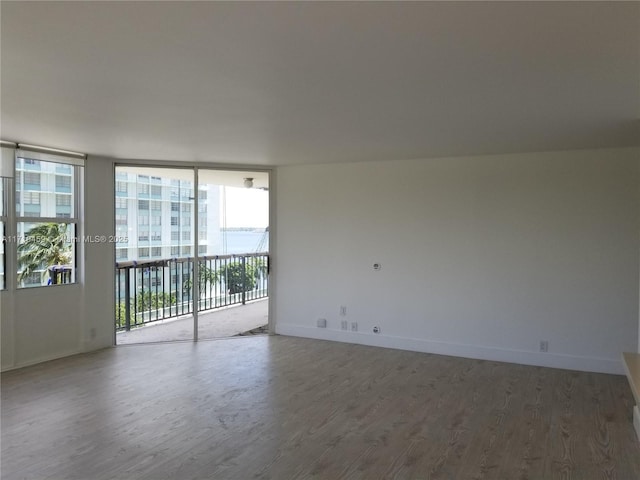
186 208
175 250
143 237
156 220
175 207
202 249
143 189
156 251
122 187
31 178
143 252
121 202
186 221
156 190
63 181
122 253
186 235
174 221
143 204
186 250
155 205
143 220
31 198
121 219
175 235
63 200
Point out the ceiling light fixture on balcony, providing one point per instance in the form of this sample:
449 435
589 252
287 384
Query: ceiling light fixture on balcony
248 182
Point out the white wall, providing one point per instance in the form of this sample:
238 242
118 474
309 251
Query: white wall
39 324
481 256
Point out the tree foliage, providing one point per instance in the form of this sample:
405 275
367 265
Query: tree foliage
238 277
44 245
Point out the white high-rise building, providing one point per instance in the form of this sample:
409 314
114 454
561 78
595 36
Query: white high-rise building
154 218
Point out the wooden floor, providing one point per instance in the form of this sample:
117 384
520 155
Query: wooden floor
289 408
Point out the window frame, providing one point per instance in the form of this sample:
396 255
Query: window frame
74 221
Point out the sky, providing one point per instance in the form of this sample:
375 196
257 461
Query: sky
245 207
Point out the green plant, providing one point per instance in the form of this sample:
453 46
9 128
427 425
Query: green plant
207 276
44 245
154 301
239 276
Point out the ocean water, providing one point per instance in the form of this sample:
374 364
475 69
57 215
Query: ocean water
245 241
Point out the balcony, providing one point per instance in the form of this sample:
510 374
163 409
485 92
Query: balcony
160 292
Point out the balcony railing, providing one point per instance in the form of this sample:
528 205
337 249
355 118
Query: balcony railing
154 290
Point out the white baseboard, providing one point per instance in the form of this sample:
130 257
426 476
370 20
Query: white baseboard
553 360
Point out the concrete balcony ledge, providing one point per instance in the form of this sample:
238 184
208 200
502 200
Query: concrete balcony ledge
631 363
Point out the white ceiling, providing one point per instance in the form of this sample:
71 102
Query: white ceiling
287 83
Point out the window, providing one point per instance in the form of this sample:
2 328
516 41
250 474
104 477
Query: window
143 204
143 237
63 200
186 235
174 221
47 223
143 220
186 250
143 189
155 205
186 207
156 220
175 236
143 252
31 198
156 237
175 250
202 249
156 190
156 251
175 207
121 202
122 187
122 253
186 221
63 182
31 178
121 219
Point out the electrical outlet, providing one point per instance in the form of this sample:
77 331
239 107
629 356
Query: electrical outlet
544 346
354 326
344 325
376 329
343 310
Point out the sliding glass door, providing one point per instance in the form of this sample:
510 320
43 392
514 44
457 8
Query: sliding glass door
233 239
192 247
155 231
